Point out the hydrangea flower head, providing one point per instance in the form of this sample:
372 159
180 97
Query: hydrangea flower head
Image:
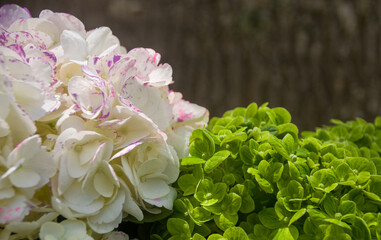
88 130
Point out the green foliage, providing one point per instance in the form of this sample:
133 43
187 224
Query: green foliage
250 176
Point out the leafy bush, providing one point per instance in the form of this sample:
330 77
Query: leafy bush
250 176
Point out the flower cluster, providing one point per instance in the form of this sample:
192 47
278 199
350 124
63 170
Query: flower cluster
88 131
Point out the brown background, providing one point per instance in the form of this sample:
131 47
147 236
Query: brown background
320 59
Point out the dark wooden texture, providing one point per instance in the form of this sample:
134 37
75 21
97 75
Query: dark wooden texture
320 59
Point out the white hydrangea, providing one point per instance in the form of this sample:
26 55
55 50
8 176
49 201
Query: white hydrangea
86 123
150 168
29 167
67 229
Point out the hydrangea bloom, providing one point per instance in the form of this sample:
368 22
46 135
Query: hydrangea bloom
88 130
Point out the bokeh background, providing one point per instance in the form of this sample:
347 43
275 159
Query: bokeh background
320 59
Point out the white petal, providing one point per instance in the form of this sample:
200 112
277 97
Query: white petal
31 102
126 150
74 228
74 45
103 185
131 91
4 128
64 179
117 236
53 229
89 209
17 118
74 167
161 76
153 188
33 37
179 139
132 208
71 122
151 166
90 98
14 209
99 40
110 212
146 61
64 21
6 193
24 178
38 24
166 201
27 228
10 13
68 70
76 196
104 227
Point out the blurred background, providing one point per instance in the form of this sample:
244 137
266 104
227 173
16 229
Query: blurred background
320 59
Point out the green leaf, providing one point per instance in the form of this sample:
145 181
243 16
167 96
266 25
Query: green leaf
283 116
237 136
178 237
155 237
359 227
225 221
263 183
261 232
204 192
360 164
191 161
356 133
231 203
283 234
297 215
324 180
338 223
279 147
246 156
229 179
200 215
275 170
317 217
201 144
288 128
187 183
248 204
197 236
270 219
295 190
203 230
180 206
312 144
333 232
216 237
347 207
251 110
372 196
263 168
208 193
235 233
216 160
330 206
370 218
289 143
198 172
271 128
344 173
178 226
219 191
